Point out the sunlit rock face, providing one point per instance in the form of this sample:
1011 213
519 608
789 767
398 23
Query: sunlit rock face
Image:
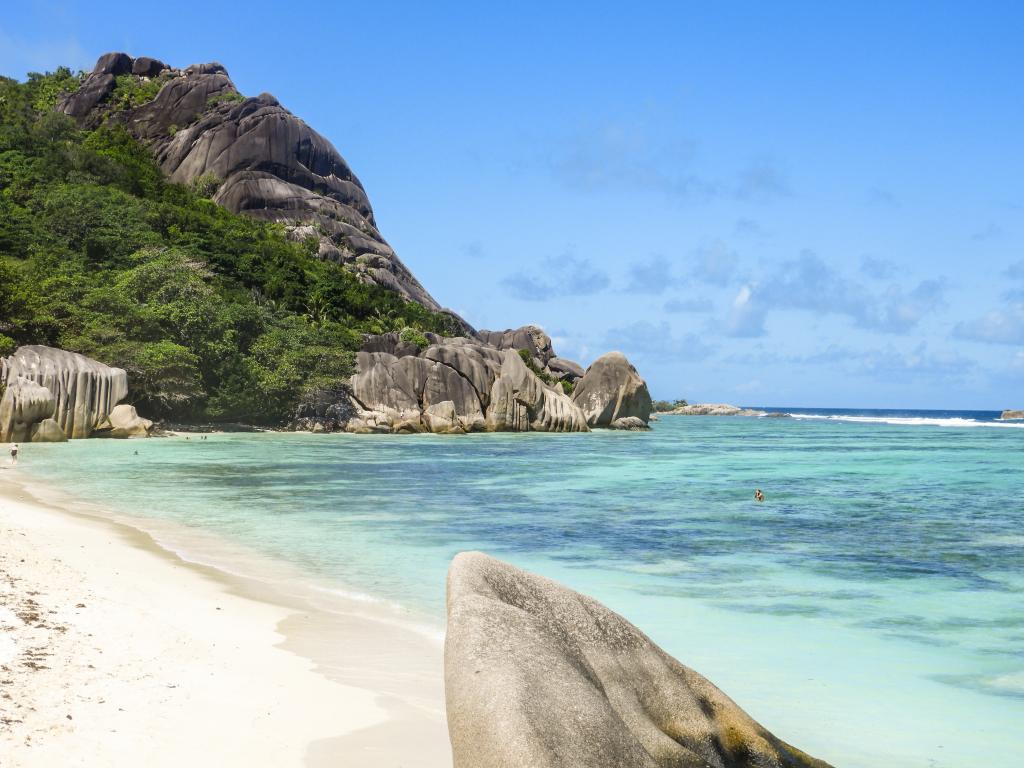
461 384
23 406
611 390
82 392
538 675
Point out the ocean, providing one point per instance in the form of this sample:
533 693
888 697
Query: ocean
870 611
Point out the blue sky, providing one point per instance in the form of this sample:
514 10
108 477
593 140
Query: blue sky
765 203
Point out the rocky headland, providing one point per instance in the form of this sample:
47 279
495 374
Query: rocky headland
538 675
1011 415
254 158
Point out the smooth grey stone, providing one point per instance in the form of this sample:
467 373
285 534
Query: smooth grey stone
612 389
539 675
84 391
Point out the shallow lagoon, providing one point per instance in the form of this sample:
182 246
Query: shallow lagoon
871 611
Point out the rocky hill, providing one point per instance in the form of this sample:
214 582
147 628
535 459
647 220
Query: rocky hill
264 161
222 256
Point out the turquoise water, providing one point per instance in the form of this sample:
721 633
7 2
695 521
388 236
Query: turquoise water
871 611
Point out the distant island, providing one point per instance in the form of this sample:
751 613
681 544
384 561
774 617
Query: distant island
683 408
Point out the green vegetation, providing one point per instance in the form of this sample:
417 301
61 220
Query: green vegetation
414 336
131 91
214 316
205 185
225 97
664 406
543 375
568 386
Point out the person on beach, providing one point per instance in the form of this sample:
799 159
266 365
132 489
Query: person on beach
758 496
14 454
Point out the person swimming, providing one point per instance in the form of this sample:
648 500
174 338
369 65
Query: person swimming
758 496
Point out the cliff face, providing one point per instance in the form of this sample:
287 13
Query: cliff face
265 161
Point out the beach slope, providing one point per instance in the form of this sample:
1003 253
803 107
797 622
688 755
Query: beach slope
115 652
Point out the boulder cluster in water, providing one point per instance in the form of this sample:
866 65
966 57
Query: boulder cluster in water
495 381
50 395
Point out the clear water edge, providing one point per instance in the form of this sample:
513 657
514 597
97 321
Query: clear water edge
870 611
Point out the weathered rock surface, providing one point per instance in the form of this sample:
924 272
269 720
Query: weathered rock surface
327 409
441 418
459 384
521 402
84 391
125 422
611 389
538 675
24 404
629 423
269 163
713 409
1011 415
565 369
529 337
48 431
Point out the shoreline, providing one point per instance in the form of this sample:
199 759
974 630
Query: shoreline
114 646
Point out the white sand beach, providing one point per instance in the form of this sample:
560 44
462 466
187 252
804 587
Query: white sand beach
114 652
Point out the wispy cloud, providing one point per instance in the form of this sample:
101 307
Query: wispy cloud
762 181
890 362
876 268
715 264
749 228
474 250
643 339
1000 326
989 232
566 275
648 154
808 283
1003 325
653 275
679 306
627 153
882 198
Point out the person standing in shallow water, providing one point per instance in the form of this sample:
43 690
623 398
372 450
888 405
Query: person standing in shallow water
14 454
758 496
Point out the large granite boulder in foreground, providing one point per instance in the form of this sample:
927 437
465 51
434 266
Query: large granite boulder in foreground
262 160
611 389
538 675
48 390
